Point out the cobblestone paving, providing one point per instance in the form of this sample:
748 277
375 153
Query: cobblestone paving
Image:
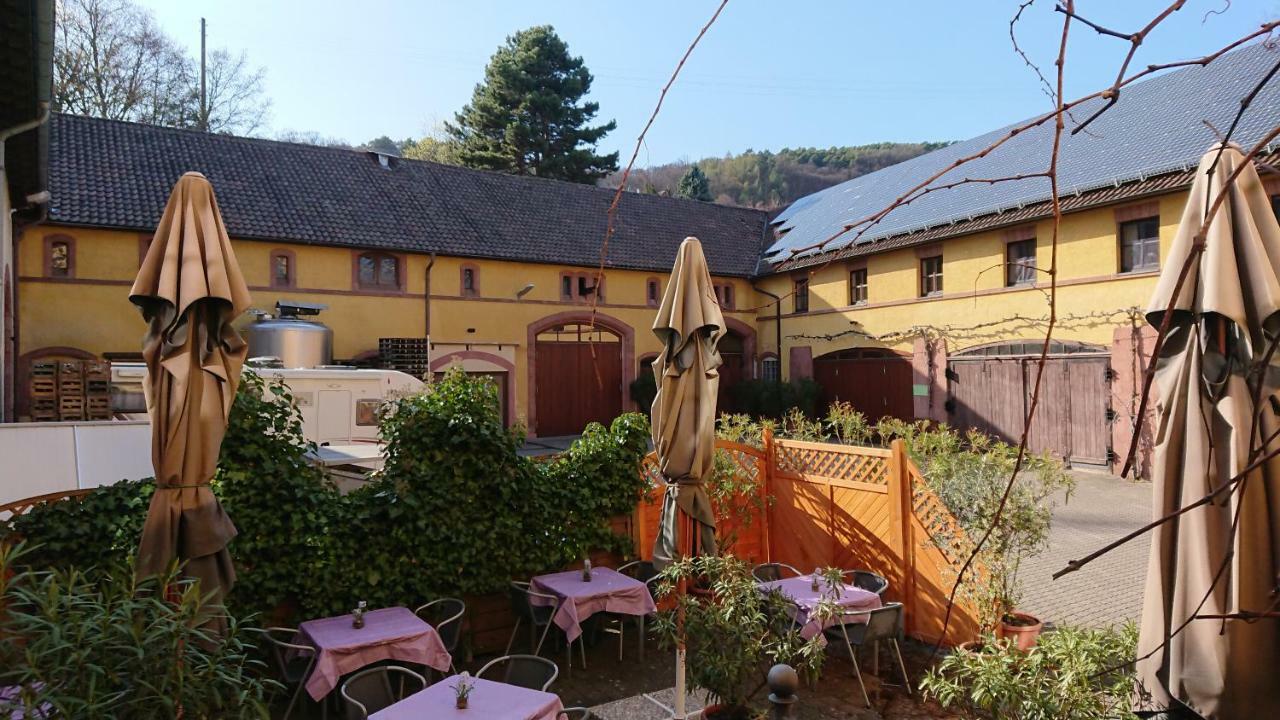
1108 591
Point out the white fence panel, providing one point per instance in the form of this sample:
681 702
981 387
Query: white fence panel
39 458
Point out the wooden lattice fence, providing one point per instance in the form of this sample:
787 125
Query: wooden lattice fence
847 506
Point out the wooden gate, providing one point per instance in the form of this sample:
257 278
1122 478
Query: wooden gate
993 394
875 386
579 380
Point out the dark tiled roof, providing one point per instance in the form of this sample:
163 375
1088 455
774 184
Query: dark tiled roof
107 173
1157 128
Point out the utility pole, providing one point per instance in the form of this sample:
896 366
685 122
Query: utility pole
204 98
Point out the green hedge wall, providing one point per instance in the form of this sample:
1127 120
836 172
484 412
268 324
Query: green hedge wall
455 510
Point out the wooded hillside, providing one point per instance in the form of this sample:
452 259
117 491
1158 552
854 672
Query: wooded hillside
771 180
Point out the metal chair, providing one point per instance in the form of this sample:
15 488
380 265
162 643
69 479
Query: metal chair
527 671
293 662
883 623
445 615
369 690
769 572
574 713
538 616
866 580
645 572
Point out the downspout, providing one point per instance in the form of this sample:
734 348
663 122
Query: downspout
426 309
7 380
777 319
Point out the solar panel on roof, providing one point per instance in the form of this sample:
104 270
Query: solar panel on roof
1157 126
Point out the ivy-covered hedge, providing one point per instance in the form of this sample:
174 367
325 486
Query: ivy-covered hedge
455 510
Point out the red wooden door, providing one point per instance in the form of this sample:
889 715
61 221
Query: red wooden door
876 387
575 388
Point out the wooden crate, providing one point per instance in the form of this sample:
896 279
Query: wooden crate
97 407
44 409
43 386
97 371
70 407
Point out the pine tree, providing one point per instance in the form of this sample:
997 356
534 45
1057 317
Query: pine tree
694 185
528 116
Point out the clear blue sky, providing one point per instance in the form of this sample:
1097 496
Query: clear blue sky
768 74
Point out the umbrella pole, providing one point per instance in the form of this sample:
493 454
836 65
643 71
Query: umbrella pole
684 541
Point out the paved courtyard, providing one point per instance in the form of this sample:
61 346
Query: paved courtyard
1108 590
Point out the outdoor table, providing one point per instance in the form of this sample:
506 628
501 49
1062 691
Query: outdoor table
393 633
799 590
490 700
608 590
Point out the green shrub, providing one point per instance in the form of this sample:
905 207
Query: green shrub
94 531
110 647
282 506
772 399
455 510
1063 677
644 389
732 631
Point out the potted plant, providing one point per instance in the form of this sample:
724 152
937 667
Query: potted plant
970 478
462 690
732 634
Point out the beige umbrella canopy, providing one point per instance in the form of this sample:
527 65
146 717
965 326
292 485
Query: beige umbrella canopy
689 324
189 290
1215 417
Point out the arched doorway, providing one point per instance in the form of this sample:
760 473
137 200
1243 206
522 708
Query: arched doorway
737 356
580 369
875 381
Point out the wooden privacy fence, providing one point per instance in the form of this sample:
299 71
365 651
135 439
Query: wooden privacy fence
846 506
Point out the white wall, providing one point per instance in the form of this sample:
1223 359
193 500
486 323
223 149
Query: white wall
39 458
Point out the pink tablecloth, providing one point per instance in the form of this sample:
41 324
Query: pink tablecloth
489 701
800 591
388 634
608 591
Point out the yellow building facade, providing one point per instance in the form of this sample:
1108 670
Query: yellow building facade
491 327
977 305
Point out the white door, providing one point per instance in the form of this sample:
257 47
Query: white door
333 416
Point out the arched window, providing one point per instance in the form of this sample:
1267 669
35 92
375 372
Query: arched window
378 271
60 256
770 368
470 281
283 269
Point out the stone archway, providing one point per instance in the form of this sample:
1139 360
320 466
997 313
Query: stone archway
506 368
569 377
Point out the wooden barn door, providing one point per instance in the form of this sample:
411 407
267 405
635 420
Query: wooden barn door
733 370
579 380
993 394
988 395
876 386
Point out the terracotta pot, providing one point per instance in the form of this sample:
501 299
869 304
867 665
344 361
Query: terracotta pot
724 712
973 646
460 703
1022 634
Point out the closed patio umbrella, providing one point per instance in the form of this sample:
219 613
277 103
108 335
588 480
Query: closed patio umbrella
1215 418
189 289
689 324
